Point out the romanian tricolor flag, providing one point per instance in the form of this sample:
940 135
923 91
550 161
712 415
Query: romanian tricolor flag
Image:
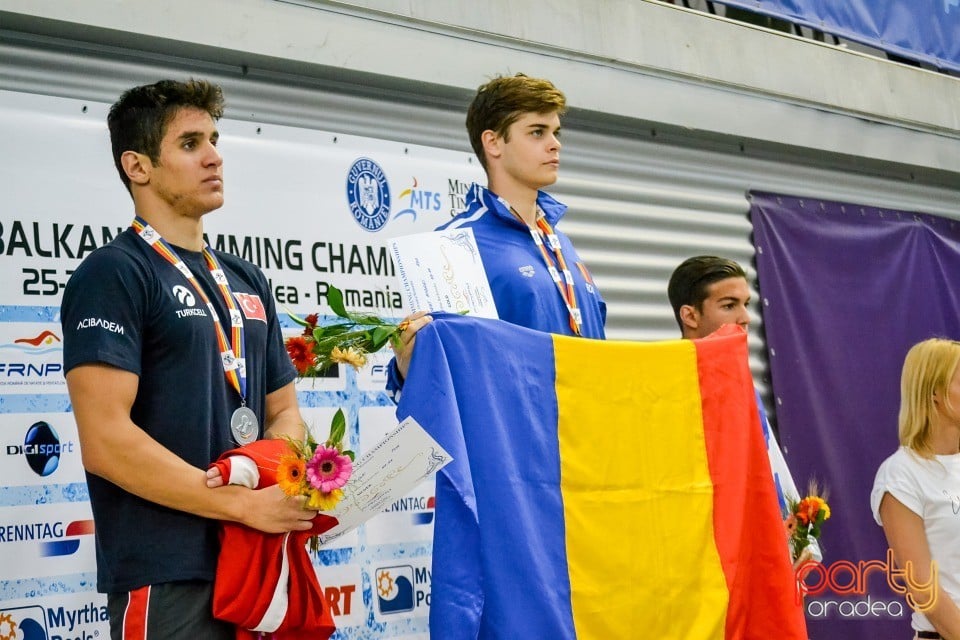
599 490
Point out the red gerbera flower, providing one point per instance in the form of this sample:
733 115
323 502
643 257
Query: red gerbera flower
311 321
300 353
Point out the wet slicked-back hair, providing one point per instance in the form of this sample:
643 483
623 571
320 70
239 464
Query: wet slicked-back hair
689 281
138 120
502 101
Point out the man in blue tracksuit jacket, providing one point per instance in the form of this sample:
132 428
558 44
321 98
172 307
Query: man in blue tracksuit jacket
537 278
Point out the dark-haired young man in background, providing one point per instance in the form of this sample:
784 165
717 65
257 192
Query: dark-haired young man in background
174 355
707 292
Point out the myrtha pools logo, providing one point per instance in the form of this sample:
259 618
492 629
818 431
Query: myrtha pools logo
395 589
23 623
368 194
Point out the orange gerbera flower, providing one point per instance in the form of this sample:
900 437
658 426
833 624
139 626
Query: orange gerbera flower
300 353
810 507
292 474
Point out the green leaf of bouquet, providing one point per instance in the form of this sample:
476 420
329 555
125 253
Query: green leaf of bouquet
326 343
395 340
300 321
335 300
383 332
338 427
381 335
367 319
350 455
331 330
344 340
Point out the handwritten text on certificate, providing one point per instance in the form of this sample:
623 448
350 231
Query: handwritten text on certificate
442 271
403 459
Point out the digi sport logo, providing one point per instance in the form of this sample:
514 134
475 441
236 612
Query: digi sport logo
41 448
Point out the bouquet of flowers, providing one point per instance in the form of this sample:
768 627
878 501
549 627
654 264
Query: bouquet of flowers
805 519
347 341
318 470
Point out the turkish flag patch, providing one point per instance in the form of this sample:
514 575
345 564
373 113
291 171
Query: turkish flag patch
252 306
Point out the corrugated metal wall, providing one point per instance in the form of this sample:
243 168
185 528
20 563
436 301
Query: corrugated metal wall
641 200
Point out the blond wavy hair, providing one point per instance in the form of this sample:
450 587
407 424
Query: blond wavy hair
927 371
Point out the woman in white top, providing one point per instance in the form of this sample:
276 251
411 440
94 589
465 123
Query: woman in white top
916 494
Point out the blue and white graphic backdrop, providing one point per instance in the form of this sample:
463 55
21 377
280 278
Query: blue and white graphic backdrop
312 209
924 30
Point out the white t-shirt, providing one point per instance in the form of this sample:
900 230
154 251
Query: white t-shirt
931 489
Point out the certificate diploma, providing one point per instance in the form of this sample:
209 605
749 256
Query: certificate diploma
442 271
392 468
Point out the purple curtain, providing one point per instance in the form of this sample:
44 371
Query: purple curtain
846 289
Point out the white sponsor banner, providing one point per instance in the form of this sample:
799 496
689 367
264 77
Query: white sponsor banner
374 424
342 586
46 540
39 449
311 208
373 375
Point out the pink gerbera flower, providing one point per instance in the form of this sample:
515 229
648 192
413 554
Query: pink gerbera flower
328 469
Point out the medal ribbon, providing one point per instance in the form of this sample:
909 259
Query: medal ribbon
231 353
564 286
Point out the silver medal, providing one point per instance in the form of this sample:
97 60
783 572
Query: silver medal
243 424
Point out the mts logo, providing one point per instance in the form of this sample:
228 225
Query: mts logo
427 200
340 599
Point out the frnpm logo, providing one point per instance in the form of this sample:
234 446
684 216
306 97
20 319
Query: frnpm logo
845 578
31 358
